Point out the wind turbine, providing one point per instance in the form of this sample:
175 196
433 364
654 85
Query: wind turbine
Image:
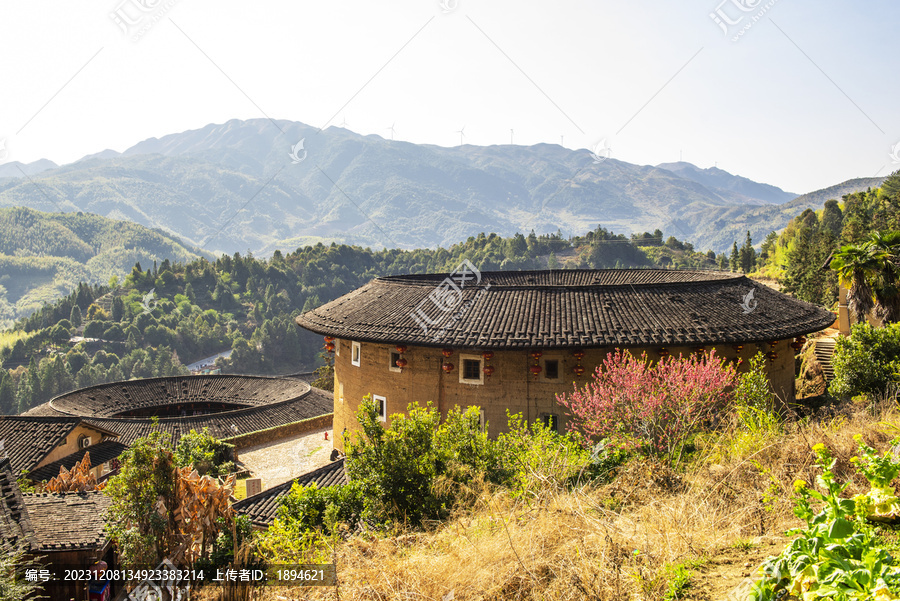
392 130
461 134
343 122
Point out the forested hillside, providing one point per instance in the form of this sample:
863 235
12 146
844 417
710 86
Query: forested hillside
797 256
45 255
157 319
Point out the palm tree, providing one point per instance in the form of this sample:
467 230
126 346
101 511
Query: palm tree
886 248
856 266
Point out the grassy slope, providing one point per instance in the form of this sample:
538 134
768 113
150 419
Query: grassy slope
720 518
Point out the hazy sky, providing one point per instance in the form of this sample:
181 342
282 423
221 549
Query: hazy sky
798 93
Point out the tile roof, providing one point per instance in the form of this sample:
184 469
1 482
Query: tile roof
16 531
308 402
100 454
68 520
110 400
29 439
262 508
566 308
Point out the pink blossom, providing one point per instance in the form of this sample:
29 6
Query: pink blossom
634 403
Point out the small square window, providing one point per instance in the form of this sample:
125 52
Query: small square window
551 369
551 420
355 354
380 407
393 365
470 369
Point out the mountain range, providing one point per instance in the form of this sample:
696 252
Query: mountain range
262 185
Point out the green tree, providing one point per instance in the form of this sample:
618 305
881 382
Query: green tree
140 520
8 404
867 361
747 255
734 261
75 316
856 266
205 453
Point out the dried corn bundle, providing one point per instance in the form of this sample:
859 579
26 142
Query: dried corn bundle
78 479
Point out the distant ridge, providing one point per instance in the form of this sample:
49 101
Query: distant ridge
726 183
233 187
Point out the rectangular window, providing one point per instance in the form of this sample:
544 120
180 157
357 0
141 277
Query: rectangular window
394 358
470 371
355 353
380 407
551 369
551 420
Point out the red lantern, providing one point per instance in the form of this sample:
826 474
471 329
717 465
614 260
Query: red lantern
401 348
773 343
797 345
401 362
772 355
329 339
488 370
536 355
738 348
329 347
663 352
535 369
700 350
447 352
448 367
579 355
488 355
578 370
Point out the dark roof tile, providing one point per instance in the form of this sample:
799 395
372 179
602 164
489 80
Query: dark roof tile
591 308
262 508
68 520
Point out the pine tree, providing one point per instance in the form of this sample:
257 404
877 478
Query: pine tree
75 316
8 404
747 255
735 261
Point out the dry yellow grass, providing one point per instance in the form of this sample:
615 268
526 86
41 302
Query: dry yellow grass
614 541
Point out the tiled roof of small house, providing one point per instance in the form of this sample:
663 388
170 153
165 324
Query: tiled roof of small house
28 440
16 531
566 308
100 453
67 521
262 508
290 400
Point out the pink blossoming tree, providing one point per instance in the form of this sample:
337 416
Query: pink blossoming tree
654 407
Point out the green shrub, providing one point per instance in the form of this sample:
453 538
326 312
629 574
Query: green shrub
754 401
208 455
308 506
537 459
867 362
421 468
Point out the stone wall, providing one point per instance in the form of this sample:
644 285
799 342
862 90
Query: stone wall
510 387
279 432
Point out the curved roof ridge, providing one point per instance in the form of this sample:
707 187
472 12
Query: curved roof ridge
567 308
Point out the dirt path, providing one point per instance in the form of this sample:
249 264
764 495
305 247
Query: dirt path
731 571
